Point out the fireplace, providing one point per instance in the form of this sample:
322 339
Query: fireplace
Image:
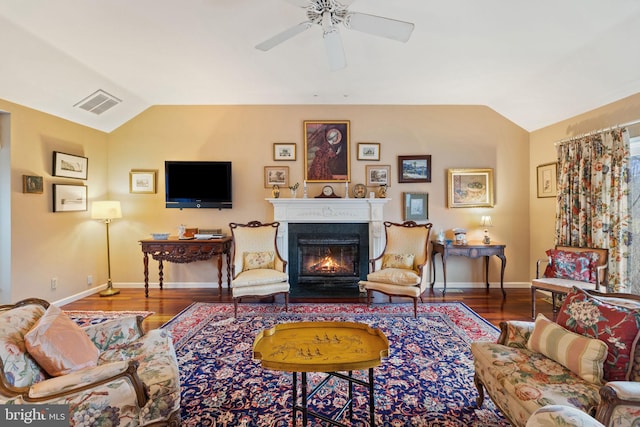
327 259
335 220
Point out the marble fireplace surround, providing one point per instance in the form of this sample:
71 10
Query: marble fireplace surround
320 210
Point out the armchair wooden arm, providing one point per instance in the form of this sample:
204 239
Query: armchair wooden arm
621 398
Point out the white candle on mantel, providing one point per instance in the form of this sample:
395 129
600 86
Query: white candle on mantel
346 190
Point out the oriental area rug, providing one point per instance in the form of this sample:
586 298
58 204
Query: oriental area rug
427 380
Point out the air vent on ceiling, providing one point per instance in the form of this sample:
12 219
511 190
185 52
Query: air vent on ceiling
98 102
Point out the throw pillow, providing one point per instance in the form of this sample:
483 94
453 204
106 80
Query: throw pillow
398 261
255 260
572 265
582 355
59 345
617 326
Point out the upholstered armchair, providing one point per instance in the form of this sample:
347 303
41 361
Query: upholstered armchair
400 269
257 269
110 373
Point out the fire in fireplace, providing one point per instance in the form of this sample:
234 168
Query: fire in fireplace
327 259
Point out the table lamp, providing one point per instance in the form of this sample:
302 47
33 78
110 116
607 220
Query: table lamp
107 211
485 221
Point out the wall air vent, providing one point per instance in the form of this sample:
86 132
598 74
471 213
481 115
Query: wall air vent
98 102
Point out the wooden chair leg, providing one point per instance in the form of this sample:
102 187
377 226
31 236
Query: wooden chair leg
369 297
286 301
235 307
415 308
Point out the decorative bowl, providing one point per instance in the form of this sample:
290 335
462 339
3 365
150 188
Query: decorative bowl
160 236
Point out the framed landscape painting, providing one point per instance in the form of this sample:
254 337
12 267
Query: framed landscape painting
414 168
284 151
276 175
69 166
326 151
378 175
69 198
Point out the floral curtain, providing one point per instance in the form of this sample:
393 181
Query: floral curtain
593 207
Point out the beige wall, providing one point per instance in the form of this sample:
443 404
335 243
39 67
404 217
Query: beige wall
43 244
455 136
71 246
542 150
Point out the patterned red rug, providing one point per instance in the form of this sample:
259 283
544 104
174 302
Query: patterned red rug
427 380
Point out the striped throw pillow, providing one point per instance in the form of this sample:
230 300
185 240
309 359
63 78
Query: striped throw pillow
582 355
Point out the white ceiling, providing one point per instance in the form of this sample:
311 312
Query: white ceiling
536 62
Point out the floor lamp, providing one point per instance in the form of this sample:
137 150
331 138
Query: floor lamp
107 211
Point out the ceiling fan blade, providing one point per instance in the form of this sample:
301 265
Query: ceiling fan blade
379 26
335 50
283 36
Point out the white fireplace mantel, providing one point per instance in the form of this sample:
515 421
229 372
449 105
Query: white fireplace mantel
321 210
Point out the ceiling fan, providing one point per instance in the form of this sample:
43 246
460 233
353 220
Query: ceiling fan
328 14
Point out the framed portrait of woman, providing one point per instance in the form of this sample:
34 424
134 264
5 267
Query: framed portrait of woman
327 151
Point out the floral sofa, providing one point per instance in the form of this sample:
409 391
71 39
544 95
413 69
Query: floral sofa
110 374
588 360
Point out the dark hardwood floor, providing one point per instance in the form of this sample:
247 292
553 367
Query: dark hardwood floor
167 303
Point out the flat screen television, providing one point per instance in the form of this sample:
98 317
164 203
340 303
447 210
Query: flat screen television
198 184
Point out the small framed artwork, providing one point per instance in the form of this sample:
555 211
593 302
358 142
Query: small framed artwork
470 188
276 175
416 206
69 166
69 198
32 184
142 181
368 151
284 151
414 168
326 151
547 180
378 175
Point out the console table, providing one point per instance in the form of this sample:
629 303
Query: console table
184 251
302 347
470 250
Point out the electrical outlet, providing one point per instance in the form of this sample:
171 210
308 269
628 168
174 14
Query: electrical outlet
54 283
89 280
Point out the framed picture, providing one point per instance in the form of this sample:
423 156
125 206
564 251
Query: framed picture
326 151
284 151
368 151
142 181
378 175
69 198
276 175
547 180
414 168
416 206
32 184
69 166
470 188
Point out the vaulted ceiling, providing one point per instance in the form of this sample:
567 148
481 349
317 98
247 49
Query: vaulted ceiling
534 62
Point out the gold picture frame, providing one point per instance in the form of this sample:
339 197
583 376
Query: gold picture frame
470 188
547 180
378 175
276 175
368 151
33 184
327 151
284 151
142 181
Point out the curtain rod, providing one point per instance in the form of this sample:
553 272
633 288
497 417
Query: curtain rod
631 123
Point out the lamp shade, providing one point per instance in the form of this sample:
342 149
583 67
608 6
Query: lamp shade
485 221
106 210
